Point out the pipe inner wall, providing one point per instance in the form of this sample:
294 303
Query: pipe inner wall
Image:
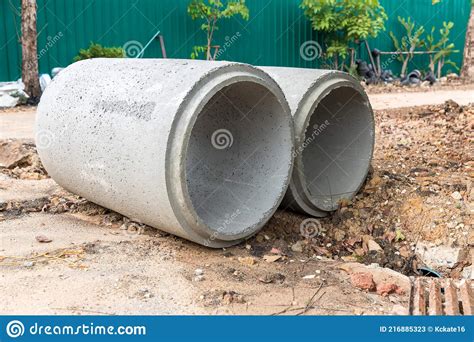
234 158
336 162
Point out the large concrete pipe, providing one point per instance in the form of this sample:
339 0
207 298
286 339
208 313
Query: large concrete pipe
334 125
202 150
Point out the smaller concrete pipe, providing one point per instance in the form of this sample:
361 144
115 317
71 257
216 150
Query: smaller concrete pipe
335 132
202 150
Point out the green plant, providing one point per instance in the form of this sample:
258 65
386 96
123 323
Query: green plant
210 12
352 70
440 50
97 51
409 43
344 22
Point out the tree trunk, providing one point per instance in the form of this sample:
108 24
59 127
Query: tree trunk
29 69
403 73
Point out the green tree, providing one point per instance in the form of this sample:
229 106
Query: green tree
409 43
210 12
441 49
344 22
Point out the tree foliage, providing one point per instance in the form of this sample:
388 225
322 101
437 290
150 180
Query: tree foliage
211 12
344 22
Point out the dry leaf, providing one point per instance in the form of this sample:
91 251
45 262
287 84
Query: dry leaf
248 261
271 258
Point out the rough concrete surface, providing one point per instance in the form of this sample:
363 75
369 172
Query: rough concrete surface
335 134
201 150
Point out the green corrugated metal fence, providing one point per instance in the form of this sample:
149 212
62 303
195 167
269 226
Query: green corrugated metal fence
273 35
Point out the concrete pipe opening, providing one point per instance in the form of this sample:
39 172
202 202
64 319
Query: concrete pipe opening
236 155
336 160
334 132
202 150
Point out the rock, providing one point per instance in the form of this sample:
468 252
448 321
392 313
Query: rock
438 256
145 293
28 264
43 239
452 76
198 278
277 278
309 276
384 289
404 252
468 273
13 154
373 246
443 79
363 281
425 84
297 247
230 297
8 101
451 106
400 310
198 272
456 195
56 71
380 275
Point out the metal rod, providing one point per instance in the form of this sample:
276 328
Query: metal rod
140 55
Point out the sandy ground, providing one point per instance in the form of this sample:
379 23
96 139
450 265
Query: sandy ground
17 124
411 99
99 263
92 267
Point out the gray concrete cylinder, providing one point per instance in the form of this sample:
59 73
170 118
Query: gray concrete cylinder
335 132
202 150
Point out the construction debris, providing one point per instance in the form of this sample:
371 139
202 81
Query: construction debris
363 281
12 93
438 256
428 298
